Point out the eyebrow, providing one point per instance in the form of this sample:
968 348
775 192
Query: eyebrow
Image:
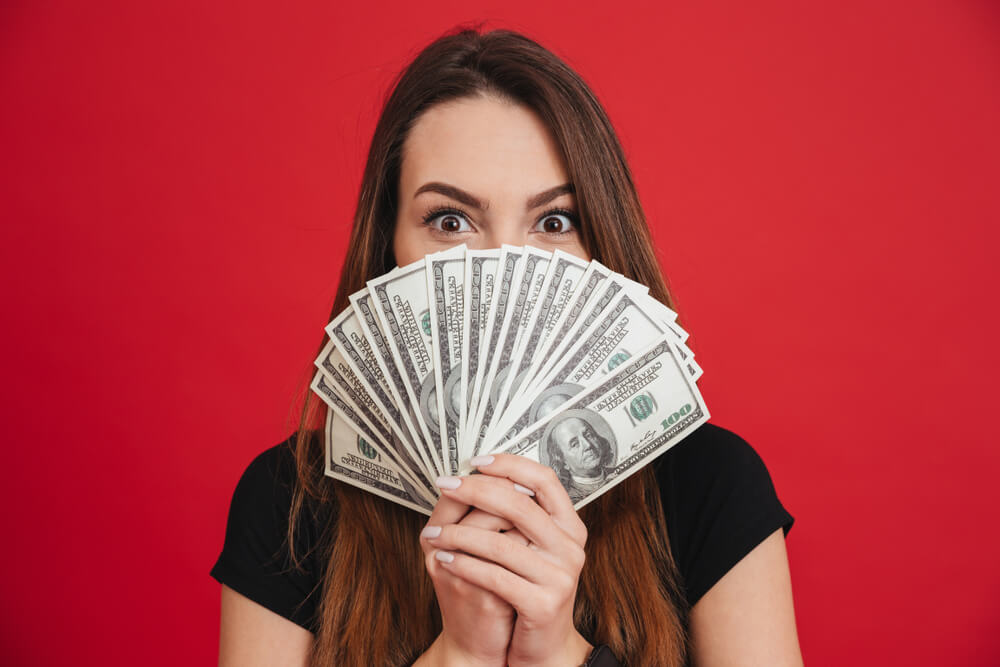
461 195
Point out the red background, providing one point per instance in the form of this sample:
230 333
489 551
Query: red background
177 184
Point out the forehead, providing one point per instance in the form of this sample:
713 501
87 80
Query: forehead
484 145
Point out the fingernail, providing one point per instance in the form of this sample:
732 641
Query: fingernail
482 460
444 556
448 482
430 532
523 489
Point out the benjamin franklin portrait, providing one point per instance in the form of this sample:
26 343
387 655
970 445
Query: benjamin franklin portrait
580 446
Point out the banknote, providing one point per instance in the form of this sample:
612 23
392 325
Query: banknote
539 353
480 280
352 459
627 325
445 285
555 292
526 285
508 271
334 368
404 313
350 339
669 318
595 274
392 366
348 395
611 430
587 307
417 482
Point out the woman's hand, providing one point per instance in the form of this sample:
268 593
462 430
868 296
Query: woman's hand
537 575
477 624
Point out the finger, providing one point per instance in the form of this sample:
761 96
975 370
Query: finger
518 537
543 481
448 584
480 519
446 510
446 581
516 591
476 518
549 491
497 496
494 547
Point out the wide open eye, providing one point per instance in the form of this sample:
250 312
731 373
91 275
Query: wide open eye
448 220
556 221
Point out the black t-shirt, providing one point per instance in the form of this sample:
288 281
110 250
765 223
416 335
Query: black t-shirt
717 496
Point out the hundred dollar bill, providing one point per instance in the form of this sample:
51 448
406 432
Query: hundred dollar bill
507 274
626 326
404 313
480 279
392 367
632 318
349 338
333 366
352 459
593 276
587 307
360 405
342 407
686 357
669 318
326 390
443 397
618 425
526 286
559 284
696 370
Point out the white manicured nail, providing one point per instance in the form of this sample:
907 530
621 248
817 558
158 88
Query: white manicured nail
444 556
448 482
482 460
523 489
430 532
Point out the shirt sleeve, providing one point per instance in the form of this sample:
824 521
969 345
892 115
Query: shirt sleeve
602 657
255 559
719 503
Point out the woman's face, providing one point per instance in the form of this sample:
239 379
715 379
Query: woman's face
483 172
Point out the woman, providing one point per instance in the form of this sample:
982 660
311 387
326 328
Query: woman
490 139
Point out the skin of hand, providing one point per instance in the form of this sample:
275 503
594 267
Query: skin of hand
477 624
538 579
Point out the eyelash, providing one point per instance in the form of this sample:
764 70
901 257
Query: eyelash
438 211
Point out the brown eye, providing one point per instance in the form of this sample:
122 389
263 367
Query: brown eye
552 224
447 220
556 222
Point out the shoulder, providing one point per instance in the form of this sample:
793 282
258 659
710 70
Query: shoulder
270 475
255 560
711 462
263 495
710 445
719 502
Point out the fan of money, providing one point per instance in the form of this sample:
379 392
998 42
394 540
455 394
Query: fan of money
516 350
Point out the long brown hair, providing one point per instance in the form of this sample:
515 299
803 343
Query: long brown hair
378 605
